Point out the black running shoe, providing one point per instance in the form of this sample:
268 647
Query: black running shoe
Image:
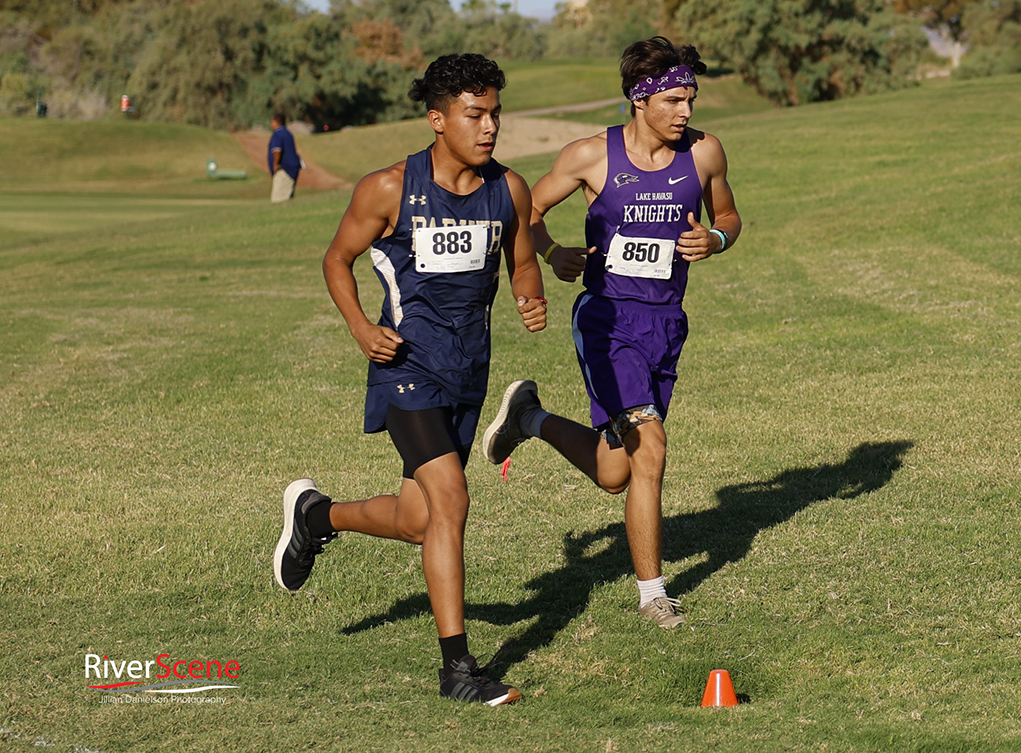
297 549
504 434
464 681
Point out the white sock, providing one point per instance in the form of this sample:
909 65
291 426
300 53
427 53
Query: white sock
650 589
531 422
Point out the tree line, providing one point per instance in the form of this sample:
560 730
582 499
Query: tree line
223 63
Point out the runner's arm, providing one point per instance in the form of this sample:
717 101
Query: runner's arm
373 208
575 163
522 265
699 243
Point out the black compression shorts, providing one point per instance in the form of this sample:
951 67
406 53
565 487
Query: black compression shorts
424 435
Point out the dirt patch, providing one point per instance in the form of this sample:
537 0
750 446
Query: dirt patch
523 136
256 145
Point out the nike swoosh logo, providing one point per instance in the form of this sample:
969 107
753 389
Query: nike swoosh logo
672 181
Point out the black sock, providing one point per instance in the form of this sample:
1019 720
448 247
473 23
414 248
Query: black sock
454 649
318 518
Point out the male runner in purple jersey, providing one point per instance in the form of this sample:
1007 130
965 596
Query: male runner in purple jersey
645 184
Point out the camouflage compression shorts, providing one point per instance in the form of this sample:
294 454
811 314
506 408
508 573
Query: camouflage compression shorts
615 431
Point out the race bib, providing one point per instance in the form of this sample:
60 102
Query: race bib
641 257
455 248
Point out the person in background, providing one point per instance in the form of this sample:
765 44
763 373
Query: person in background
284 162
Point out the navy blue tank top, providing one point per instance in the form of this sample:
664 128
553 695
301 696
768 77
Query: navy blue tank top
440 271
634 224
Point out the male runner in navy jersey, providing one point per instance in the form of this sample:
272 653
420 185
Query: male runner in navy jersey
645 184
435 224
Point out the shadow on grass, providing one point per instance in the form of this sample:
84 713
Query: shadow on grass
725 533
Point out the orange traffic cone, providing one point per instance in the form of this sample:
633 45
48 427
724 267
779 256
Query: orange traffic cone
719 691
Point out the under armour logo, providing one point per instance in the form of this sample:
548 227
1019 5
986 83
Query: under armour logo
401 388
416 199
623 179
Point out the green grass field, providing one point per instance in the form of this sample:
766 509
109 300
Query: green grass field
841 501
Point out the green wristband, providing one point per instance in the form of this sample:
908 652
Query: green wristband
723 237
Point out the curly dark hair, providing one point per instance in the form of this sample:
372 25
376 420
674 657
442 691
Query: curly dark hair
652 57
448 76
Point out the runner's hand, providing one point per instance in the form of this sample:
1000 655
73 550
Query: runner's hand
533 313
568 263
378 343
698 243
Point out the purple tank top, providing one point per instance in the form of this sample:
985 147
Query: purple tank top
634 224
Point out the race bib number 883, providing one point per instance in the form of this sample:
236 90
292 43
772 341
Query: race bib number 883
454 248
641 257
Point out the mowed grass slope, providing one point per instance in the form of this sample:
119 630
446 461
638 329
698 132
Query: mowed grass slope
841 495
722 96
122 156
551 83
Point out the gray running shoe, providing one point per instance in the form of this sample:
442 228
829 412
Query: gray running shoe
297 548
664 612
504 434
464 681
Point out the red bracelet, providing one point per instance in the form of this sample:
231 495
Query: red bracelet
540 298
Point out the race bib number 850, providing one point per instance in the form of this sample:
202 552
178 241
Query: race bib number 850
455 248
641 257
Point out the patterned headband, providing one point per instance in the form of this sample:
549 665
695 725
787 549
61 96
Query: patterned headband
679 75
